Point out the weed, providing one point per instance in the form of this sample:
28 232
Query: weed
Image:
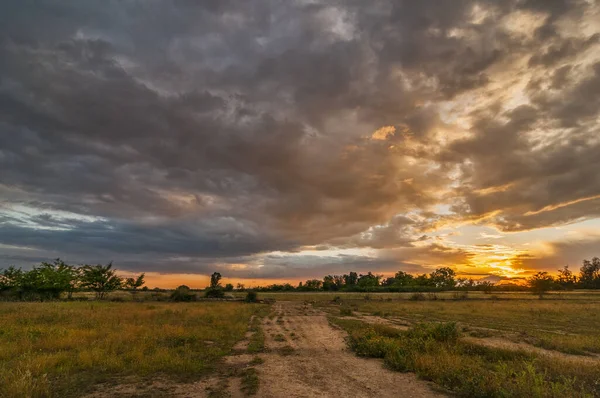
250 381
257 361
345 311
279 337
417 296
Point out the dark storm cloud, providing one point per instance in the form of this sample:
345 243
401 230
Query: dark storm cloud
215 131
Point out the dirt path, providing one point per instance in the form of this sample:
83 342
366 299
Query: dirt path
307 357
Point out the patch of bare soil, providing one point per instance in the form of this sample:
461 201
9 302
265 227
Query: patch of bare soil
307 357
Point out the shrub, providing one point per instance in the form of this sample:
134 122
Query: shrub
214 293
183 293
345 311
399 358
441 332
251 297
418 296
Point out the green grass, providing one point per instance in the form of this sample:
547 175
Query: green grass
435 352
250 381
565 325
257 340
62 349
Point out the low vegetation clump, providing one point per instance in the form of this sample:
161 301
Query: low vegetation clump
251 297
434 352
63 349
183 293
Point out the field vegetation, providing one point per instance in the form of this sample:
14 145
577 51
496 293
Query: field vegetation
435 352
62 349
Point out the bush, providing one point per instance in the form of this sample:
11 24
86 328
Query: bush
345 311
214 293
441 332
251 297
418 296
399 358
183 293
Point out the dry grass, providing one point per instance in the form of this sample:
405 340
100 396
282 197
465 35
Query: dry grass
60 349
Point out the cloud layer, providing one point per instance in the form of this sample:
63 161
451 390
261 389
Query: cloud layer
182 136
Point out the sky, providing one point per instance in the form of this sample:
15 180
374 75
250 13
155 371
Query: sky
282 140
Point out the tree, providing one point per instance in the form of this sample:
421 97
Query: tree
10 281
486 286
329 283
228 287
134 283
339 281
100 279
368 280
313 284
215 290
465 283
541 283
589 275
566 279
422 280
443 278
48 281
403 279
241 287
351 279
215 280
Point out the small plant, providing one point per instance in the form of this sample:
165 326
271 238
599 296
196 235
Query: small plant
257 361
460 295
432 296
345 311
417 296
250 382
286 350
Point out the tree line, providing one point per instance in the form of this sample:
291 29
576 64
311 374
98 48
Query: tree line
445 278
49 281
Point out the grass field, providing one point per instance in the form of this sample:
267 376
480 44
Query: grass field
65 349
61 349
567 322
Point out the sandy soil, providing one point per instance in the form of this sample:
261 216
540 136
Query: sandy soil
307 357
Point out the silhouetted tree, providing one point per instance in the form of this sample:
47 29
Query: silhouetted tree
403 279
566 279
443 278
215 280
368 280
329 283
351 279
589 274
540 283
134 283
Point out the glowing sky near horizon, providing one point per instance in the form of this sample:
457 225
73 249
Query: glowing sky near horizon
282 141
